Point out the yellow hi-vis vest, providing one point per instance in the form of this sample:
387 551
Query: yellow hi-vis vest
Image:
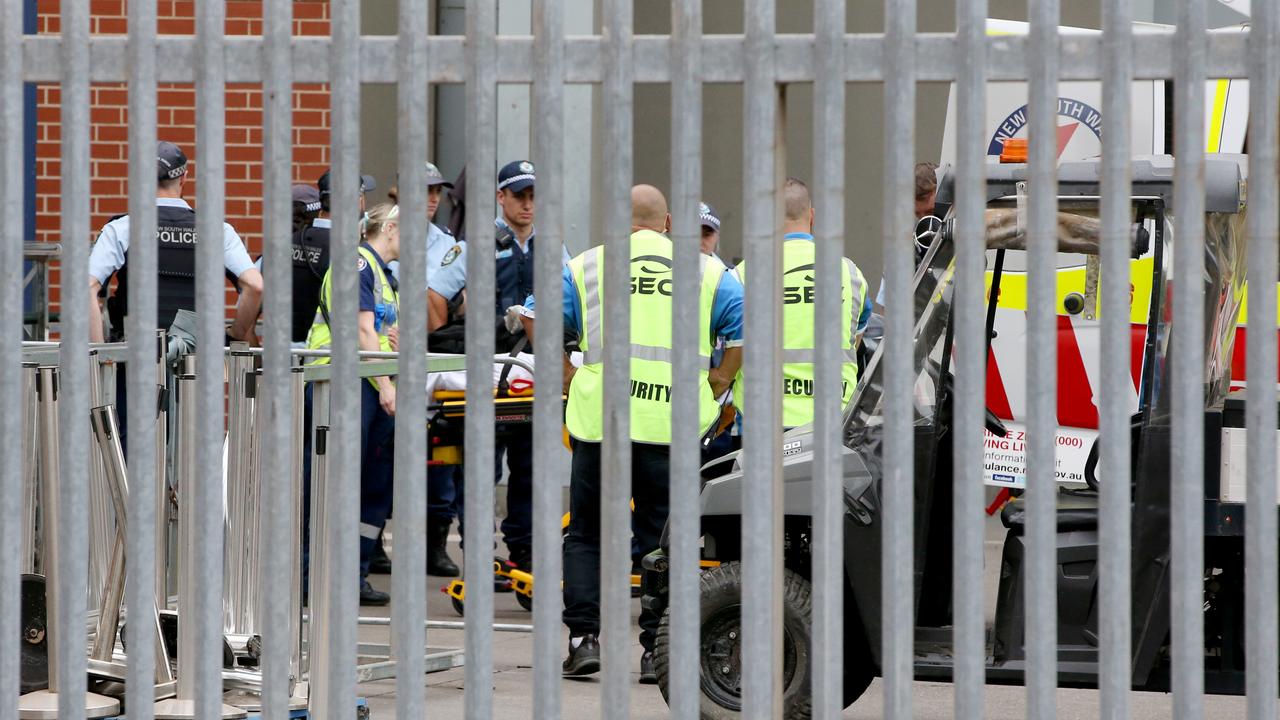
386 316
798 332
651 308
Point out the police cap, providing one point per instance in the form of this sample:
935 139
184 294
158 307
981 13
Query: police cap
516 176
171 162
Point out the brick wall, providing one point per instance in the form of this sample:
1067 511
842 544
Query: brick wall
176 117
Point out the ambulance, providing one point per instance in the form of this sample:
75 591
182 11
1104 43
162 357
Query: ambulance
1079 137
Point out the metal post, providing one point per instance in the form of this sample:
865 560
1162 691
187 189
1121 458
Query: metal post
106 433
481 92
318 597
192 576
30 470
51 702
762 366
686 456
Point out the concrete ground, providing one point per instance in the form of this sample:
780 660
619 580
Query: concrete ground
513 676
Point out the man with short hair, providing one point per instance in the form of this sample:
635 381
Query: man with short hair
926 197
720 311
176 236
799 331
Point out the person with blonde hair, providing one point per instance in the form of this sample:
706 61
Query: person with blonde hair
379 310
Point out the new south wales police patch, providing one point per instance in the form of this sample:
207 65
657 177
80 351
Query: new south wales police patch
450 256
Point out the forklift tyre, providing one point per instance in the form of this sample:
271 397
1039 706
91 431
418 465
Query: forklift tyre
721 646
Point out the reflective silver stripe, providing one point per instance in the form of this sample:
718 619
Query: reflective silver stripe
592 312
369 532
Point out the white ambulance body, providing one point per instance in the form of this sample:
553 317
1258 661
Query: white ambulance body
1079 137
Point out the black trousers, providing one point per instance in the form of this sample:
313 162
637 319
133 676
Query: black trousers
650 474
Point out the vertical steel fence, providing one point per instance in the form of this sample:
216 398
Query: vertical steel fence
763 62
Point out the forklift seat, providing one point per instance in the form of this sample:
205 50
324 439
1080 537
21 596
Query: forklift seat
1014 517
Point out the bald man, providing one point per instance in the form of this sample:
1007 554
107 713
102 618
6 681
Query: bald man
799 333
650 389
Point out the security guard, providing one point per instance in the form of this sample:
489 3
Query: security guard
720 312
176 287
379 310
799 333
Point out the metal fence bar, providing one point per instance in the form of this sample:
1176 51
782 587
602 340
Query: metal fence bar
1042 420
1114 651
334 682
969 634
617 96
276 392
549 468
686 234
482 23
897 533
73 395
204 488
140 370
762 366
829 19
1186 505
408 580
1264 235
12 398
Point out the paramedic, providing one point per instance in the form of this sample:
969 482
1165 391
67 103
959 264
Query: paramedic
379 307
720 311
799 334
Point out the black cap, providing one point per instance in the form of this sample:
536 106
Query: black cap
516 176
367 183
171 162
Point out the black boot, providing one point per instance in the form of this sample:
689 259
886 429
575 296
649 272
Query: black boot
379 564
438 561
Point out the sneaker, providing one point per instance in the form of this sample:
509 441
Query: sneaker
648 675
584 657
373 597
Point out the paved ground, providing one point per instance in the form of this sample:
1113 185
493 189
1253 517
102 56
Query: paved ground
513 678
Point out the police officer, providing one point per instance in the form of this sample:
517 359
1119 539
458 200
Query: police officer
710 220
446 278
306 206
651 310
799 334
176 236
176 265
379 310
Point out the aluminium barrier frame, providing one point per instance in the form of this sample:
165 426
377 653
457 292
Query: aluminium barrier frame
761 60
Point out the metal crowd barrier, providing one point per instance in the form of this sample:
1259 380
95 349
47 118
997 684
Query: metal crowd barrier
763 62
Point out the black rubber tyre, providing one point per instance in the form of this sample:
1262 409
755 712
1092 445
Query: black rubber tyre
720 648
458 607
525 601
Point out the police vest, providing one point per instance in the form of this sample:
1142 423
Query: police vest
176 270
650 342
799 333
513 271
385 316
310 256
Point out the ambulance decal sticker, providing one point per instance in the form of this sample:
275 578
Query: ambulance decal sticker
1077 113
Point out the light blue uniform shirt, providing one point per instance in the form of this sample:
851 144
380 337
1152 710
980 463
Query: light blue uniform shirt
446 270
108 254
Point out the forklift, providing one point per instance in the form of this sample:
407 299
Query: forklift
1077 515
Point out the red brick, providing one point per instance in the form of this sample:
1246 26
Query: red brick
175 26
111 26
244 118
107 8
